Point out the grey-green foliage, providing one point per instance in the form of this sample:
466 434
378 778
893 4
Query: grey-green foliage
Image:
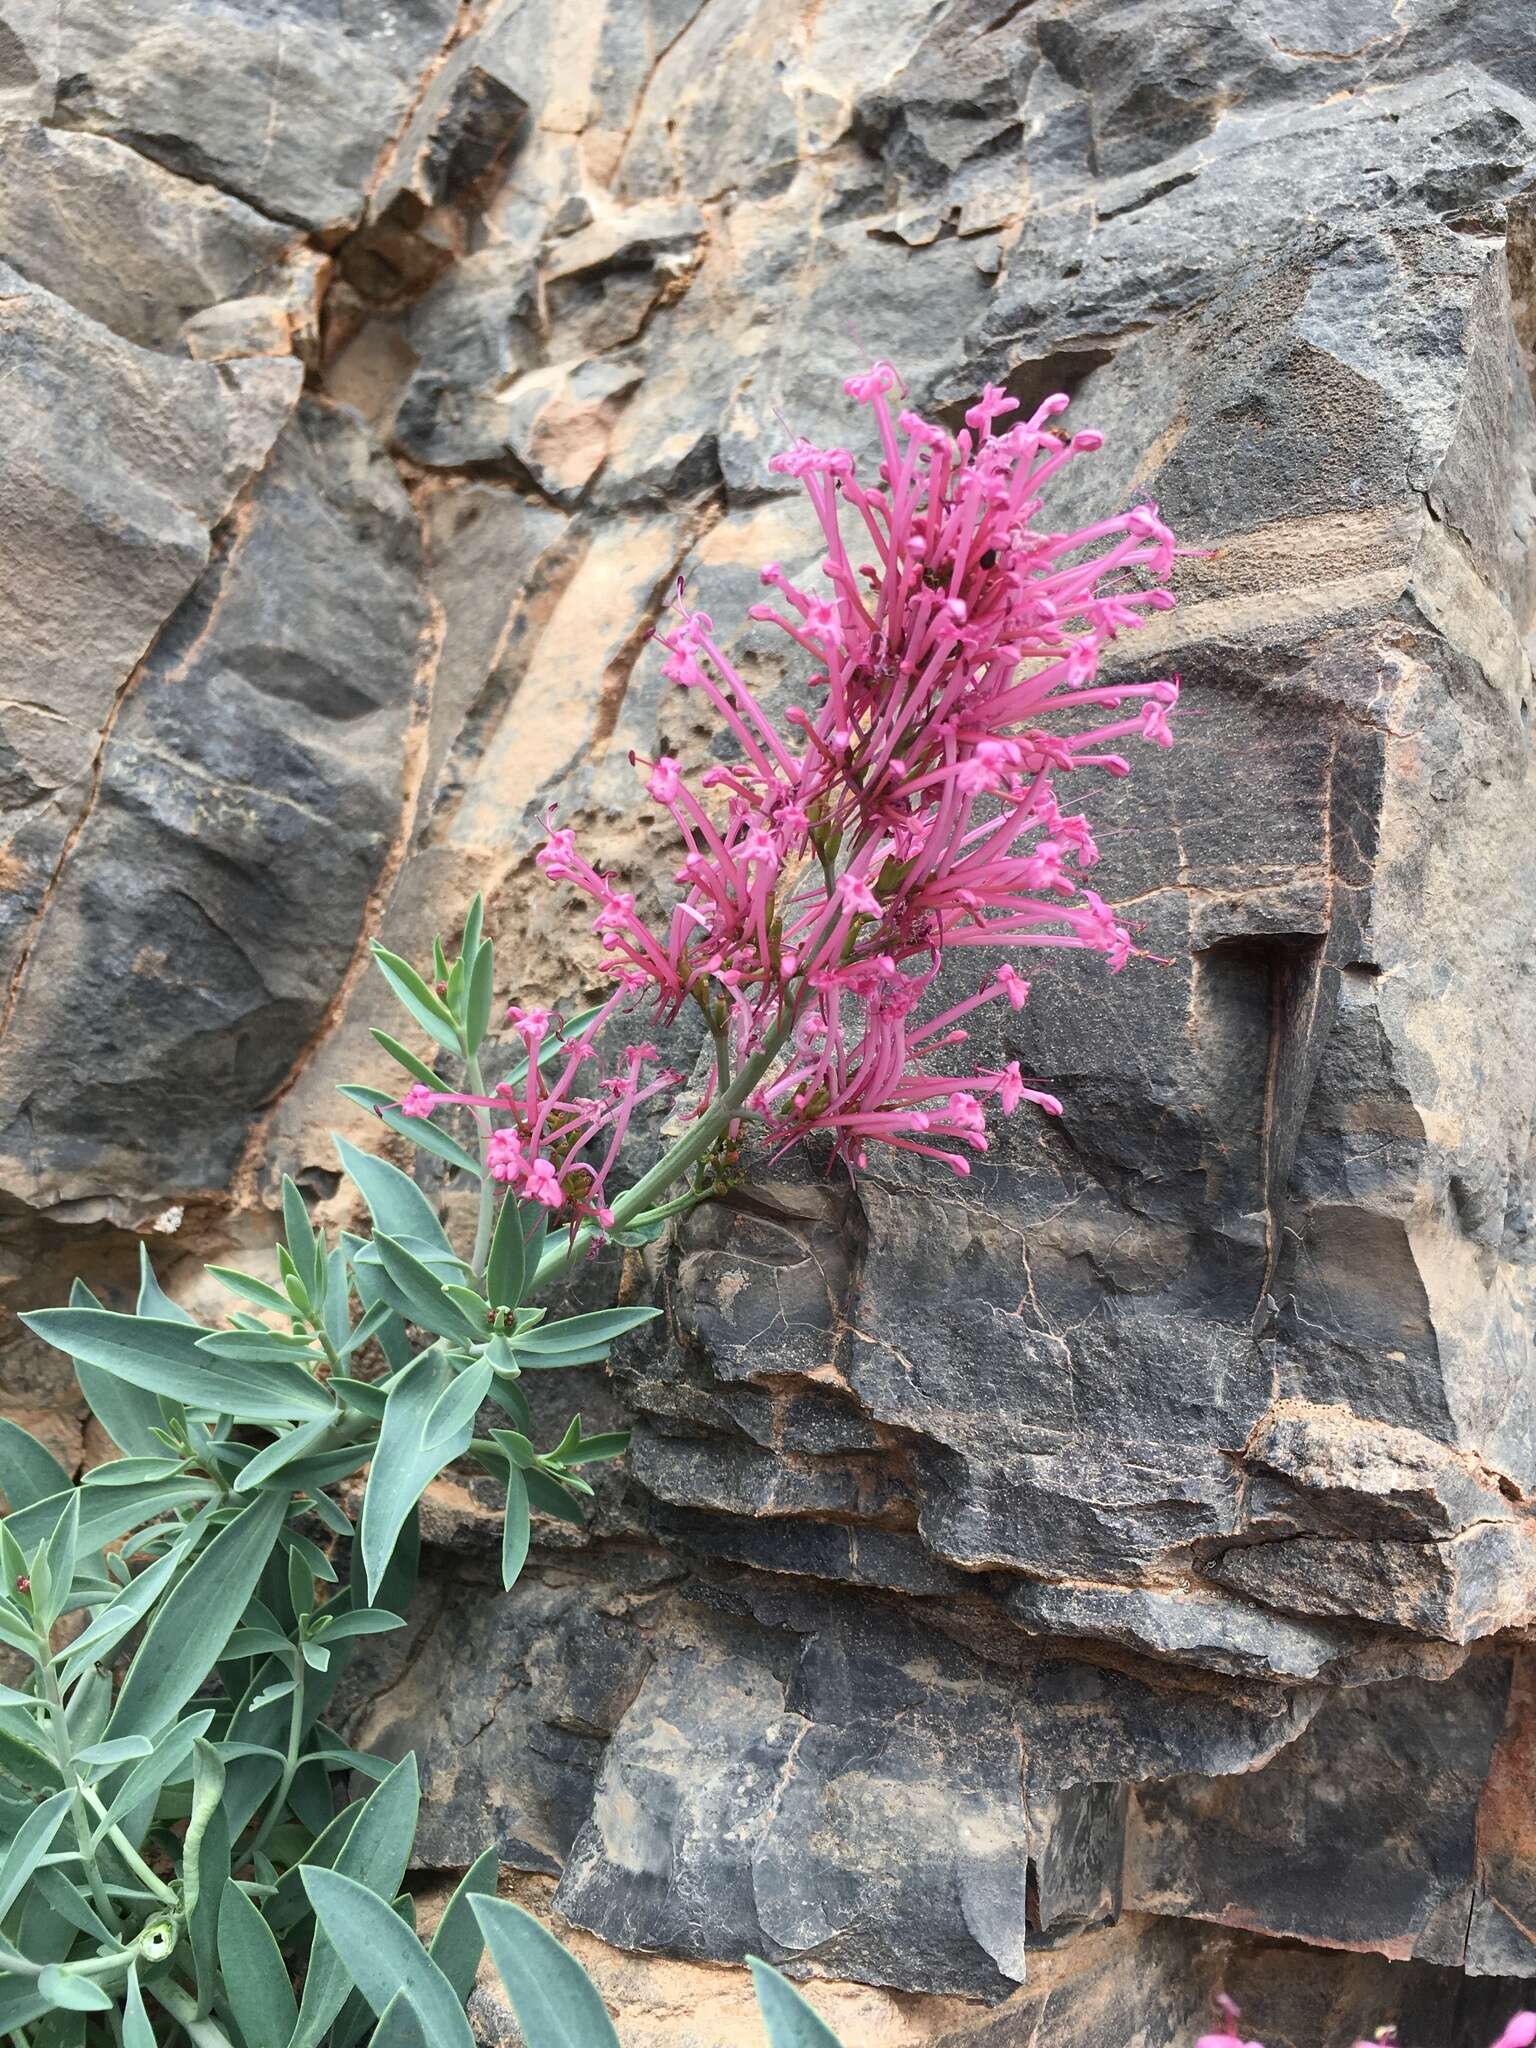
171 1800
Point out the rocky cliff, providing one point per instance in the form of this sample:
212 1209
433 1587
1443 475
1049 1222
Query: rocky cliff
1088 1580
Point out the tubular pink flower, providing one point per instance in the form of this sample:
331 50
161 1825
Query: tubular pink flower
906 807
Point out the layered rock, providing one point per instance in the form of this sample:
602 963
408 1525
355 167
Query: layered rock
1071 1574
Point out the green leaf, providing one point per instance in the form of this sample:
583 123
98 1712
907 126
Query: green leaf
53 1568
457 1945
480 995
258 1347
418 1293
121 1615
256 1982
196 1620
137 2031
153 1299
167 1761
303 1247
23 1762
403 1056
76 1994
506 1270
515 1527
474 928
295 1443
205 1868
28 1846
70 1905
400 2026
424 1004
167 1358
791 2023
250 1289
105 1755
364 1621
592 1450
375 1854
385 1958
419 1129
107 1512
132 1471
397 1206
128 1415
28 1471
556 2003
405 1462
580 1333
457 1406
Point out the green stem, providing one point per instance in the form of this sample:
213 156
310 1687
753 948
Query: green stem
694 1144
290 1763
78 1792
182 2007
487 1186
120 1842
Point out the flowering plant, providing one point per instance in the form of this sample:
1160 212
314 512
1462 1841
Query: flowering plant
906 815
168 1829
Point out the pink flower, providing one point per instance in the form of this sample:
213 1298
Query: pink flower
954 650
419 1100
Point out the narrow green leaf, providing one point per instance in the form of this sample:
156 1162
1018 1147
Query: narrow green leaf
422 1002
384 1958
107 1512
104 1755
474 928
166 1358
397 1205
457 1406
129 1415
250 1289
418 1293
592 1450
76 1994
578 1333
196 1620
791 2023
457 1945
419 1129
480 995
302 1246
256 1982
506 1269
556 2003
53 1568
121 1615
28 1471
137 2031
153 1299
515 1527
167 1762
295 1443
28 1846
403 1056
374 1854
405 1463
365 1621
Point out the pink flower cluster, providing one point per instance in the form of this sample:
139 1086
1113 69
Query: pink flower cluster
1520 2032
557 1147
911 810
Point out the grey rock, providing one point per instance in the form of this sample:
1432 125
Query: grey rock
120 463
1362 1833
124 241
253 757
473 333
246 98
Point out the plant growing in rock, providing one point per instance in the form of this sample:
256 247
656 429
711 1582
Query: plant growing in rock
172 1839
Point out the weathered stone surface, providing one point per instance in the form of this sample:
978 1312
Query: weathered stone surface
286 107
1140 1524
251 758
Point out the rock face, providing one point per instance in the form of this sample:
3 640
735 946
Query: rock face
1069 1581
